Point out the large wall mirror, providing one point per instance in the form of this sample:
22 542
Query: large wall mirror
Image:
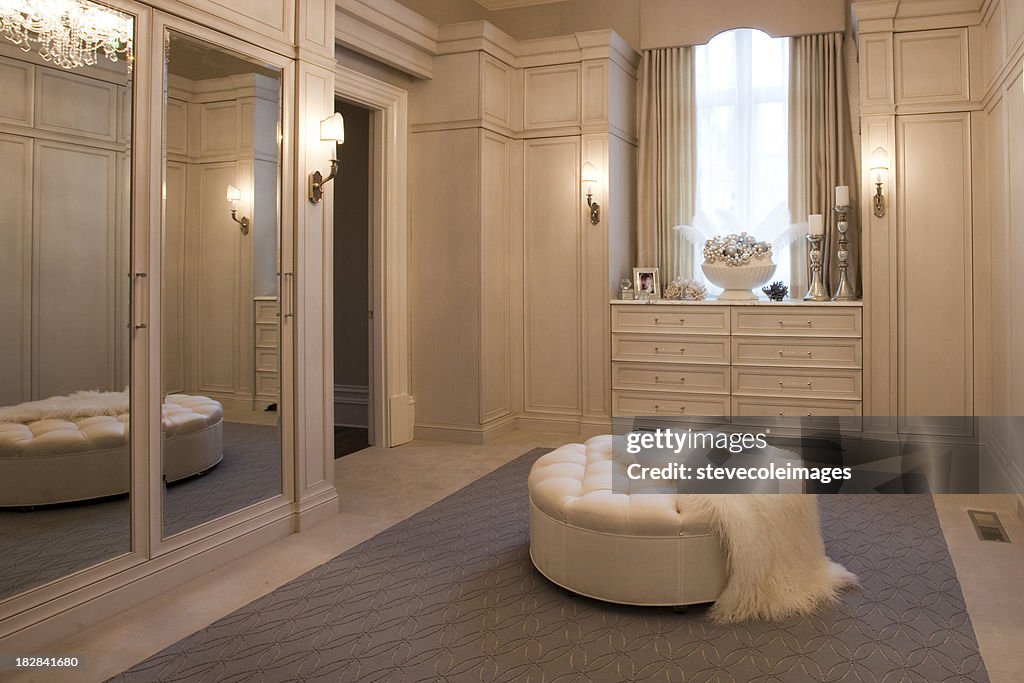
66 124
221 331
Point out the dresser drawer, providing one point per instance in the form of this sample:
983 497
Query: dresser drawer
767 412
266 336
667 377
670 349
795 352
266 311
671 318
648 404
797 321
797 382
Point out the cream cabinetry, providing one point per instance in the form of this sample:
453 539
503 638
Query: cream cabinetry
68 197
510 280
736 361
213 271
926 299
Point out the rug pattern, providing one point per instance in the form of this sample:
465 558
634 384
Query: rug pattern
450 595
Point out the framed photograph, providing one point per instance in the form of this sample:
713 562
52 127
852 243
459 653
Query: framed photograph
646 283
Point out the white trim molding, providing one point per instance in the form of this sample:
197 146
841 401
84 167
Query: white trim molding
351 405
393 408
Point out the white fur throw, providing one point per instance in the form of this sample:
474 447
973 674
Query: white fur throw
776 556
74 406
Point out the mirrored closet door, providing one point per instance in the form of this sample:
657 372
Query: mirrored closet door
66 133
221 315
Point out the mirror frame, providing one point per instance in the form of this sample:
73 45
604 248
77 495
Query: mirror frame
252 516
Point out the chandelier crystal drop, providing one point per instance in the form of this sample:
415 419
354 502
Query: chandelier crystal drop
67 33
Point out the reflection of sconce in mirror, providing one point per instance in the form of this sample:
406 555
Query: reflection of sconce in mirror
332 129
879 173
234 196
589 179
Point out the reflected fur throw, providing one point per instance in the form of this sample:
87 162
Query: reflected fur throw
74 406
775 554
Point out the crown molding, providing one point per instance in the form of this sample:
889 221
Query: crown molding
495 5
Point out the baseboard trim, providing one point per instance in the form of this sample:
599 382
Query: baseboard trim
351 405
465 434
1006 468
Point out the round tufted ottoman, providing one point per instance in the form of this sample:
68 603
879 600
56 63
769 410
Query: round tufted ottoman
632 548
49 461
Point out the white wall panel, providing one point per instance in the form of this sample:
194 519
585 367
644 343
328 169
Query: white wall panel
934 266
15 266
74 269
552 275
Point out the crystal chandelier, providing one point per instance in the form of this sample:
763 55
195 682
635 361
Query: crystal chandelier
68 33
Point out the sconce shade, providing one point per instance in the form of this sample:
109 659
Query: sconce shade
234 194
332 129
589 173
879 159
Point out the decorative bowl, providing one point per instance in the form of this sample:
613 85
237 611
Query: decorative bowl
738 281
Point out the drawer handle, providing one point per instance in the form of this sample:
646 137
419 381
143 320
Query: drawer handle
783 323
658 349
681 320
657 407
657 379
808 414
783 385
794 354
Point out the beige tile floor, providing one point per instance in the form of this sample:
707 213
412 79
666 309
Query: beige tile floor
380 487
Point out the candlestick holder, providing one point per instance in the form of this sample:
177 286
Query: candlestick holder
844 290
817 291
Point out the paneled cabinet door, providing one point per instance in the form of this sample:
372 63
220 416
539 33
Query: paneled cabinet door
552 275
15 252
934 273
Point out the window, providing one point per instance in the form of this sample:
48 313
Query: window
742 131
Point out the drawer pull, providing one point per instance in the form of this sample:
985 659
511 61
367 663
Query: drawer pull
657 408
657 379
794 354
808 414
681 321
784 323
681 350
782 385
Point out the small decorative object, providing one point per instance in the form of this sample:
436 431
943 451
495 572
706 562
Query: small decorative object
816 291
737 264
844 290
685 289
626 291
776 291
646 283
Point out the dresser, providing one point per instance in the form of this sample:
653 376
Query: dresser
745 361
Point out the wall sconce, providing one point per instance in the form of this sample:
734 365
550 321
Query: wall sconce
332 129
234 196
589 179
879 174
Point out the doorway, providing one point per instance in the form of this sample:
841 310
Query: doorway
353 412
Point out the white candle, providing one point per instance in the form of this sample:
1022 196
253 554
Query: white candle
842 195
816 223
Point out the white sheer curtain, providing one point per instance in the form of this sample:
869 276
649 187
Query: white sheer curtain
742 131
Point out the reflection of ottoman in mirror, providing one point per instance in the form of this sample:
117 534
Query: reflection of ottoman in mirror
61 460
631 548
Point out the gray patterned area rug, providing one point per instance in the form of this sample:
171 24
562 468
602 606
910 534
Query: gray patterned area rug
450 595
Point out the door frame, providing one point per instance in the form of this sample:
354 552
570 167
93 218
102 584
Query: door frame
391 405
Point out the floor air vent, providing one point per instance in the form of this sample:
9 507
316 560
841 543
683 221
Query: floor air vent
988 526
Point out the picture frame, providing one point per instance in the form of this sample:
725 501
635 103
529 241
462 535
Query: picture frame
646 283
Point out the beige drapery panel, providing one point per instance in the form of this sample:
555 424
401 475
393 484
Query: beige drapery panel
821 146
667 159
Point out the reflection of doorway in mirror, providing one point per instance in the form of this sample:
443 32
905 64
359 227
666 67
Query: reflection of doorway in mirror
221 324
65 236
